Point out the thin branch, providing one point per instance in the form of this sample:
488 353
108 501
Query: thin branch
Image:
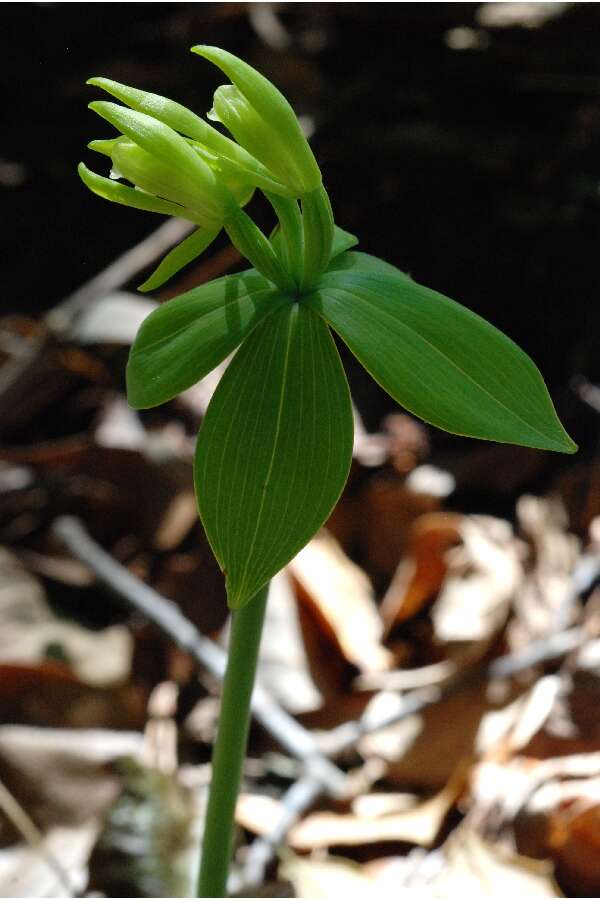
307 790
118 273
300 796
321 776
295 739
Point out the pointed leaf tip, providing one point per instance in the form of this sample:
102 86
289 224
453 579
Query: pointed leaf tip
274 449
185 338
438 359
181 255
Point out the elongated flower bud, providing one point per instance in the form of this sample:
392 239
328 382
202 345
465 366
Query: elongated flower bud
167 158
263 122
240 118
159 161
223 155
158 178
128 196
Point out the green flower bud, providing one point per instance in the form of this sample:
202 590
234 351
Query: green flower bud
155 177
128 196
233 110
223 154
263 122
161 162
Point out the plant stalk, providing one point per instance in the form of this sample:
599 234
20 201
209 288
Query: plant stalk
247 237
230 745
318 227
290 222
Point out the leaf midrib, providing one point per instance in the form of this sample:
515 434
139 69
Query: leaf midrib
448 359
202 317
286 360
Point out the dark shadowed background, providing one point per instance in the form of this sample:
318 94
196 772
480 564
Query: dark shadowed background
459 141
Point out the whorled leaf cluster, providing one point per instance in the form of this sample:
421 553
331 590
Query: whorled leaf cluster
275 447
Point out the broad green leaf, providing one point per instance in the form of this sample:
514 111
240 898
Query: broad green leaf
180 256
274 449
438 359
185 338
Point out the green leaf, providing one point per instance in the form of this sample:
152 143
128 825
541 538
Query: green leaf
342 241
184 339
442 362
274 449
180 256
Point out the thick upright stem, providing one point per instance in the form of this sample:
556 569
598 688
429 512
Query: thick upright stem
230 745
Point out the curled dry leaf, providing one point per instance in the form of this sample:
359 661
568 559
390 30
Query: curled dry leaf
412 747
418 825
467 867
340 594
547 601
283 666
484 574
328 879
561 821
474 869
29 631
421 572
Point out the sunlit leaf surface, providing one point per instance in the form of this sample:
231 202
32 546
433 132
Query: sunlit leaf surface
187 337
437 358
274 449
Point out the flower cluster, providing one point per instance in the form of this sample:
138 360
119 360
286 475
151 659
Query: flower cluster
178 164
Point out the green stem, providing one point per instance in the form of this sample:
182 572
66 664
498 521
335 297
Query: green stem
230 745
318 224
290 222
251 242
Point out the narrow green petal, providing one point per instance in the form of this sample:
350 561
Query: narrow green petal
128 196
274 449
105 147
438 359
185 338
161 142
180 256
173 114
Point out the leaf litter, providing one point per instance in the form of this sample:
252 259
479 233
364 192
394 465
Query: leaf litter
446 658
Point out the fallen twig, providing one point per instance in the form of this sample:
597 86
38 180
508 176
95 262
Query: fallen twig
297 799
304 792
118 273
295 739
321 775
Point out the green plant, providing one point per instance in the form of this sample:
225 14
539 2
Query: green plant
275 447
